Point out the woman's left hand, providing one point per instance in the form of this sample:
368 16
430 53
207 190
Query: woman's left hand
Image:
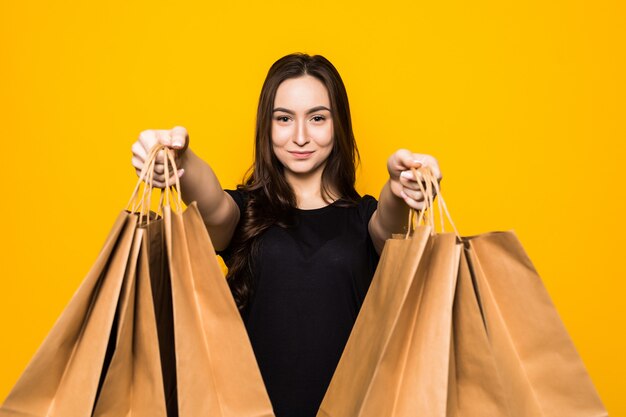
403 184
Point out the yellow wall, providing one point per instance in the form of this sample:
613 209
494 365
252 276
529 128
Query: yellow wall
523 104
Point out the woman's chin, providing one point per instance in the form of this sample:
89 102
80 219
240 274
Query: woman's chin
301 170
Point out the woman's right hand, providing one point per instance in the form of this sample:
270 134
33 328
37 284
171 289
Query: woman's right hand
176 138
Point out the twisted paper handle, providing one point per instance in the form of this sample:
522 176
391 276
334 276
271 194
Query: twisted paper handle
142 202
429 186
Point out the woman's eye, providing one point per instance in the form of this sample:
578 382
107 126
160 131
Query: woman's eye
286 118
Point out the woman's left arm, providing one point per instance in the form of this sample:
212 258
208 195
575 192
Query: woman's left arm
400 192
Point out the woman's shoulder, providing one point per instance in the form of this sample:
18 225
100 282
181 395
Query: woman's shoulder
367 199
367 206
363 206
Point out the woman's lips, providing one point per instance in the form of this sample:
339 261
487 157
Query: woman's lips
301 155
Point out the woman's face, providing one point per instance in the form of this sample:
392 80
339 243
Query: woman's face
302 126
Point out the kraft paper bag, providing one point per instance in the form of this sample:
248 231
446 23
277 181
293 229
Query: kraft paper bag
476 387
215 367
542 373
133 385
508 353
85 363
396 361
160 281
511 354
216 370
393 291
153 330
62 378
412 377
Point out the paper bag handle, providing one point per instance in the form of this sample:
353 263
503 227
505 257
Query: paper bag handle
147 177
430 189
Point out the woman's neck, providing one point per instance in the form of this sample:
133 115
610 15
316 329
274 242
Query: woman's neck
308 190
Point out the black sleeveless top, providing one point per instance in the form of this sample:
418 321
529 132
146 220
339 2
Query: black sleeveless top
311 280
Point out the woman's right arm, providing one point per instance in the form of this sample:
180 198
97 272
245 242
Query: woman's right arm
199 183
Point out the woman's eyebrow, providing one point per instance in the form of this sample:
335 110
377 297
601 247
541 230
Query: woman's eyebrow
311 110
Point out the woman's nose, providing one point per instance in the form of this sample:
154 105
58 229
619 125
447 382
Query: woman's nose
301 136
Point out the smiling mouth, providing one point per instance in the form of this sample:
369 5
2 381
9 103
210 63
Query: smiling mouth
301 155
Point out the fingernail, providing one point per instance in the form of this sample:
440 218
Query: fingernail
178 145
407 174
181 172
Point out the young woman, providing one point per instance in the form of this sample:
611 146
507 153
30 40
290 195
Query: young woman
300 243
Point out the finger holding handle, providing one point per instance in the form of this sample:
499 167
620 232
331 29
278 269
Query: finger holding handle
176 138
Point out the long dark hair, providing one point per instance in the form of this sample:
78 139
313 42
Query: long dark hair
271 199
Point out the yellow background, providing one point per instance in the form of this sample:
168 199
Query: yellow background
522 103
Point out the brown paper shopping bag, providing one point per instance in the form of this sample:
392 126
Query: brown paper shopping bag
395 362
101 356
475 385
133 385
216 370
141 379
160 280
392 292
412 377
509 354
63 376
152 323
541 371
